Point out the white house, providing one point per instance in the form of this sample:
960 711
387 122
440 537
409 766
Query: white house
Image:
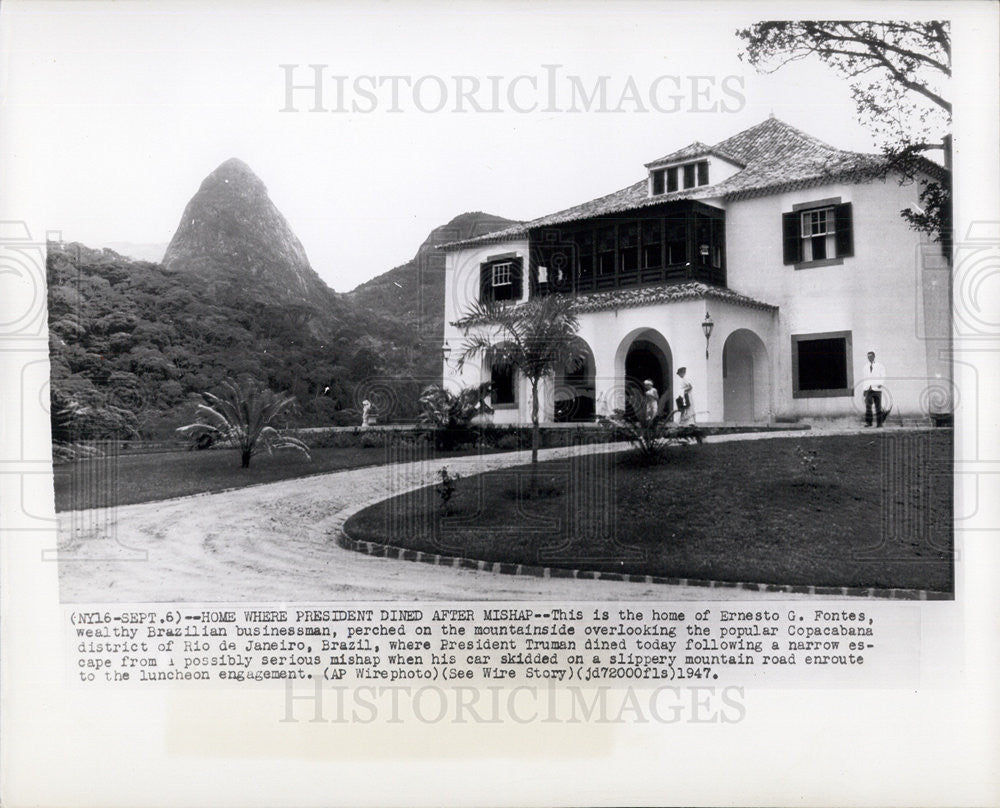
794 250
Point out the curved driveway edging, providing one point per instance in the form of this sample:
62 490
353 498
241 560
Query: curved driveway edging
380 550
506 568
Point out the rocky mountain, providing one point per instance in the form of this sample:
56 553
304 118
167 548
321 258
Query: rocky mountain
232 234
414 292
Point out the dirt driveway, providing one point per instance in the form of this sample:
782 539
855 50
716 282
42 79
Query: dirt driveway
276 543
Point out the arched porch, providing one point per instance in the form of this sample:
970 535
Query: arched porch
746 378
643 354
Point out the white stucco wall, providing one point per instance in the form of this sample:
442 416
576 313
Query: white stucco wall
876 294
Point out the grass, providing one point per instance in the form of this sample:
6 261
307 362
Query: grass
870 510
152 476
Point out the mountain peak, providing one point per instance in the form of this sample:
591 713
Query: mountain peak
235 171
232 234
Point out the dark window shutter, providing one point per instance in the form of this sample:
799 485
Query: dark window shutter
516 279
688 175
703 172
485 282
842 216
791 237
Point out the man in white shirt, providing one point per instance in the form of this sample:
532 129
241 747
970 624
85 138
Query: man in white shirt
874 381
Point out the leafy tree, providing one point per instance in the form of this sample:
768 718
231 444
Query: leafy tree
535 338
241 417
898 73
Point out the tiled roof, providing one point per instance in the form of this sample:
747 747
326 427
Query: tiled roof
696 149
652 296
776 157
670 293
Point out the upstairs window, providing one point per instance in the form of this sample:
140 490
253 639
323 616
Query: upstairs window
652 254
500 278
818 234
671 179
817 229
668 180
658 177
703 172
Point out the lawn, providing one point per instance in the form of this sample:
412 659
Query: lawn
869 510
151 476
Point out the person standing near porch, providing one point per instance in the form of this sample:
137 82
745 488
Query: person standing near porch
652 400
685 401
872 386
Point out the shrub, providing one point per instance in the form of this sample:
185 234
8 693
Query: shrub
446 488
450 415
508 442
651 436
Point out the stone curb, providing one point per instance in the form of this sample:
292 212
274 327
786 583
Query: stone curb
505 568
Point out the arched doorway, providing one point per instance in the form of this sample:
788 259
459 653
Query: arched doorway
745 378
645 354
575 389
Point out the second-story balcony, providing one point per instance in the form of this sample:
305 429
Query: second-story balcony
671 243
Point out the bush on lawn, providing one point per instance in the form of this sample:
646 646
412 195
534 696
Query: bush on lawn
240 417
651 436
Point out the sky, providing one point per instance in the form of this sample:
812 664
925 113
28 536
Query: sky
115 112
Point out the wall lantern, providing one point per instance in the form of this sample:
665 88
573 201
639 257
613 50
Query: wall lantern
445 351
707 325
704 250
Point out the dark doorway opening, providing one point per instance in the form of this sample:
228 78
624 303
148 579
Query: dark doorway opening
645 360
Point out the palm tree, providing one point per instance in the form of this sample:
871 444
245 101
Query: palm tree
535 338
241 417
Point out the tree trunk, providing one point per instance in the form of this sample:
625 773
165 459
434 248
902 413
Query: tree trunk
535 436
245 458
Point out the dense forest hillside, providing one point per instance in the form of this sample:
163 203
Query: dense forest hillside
133 342
130 342
412 295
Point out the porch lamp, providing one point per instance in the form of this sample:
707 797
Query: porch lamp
707 325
